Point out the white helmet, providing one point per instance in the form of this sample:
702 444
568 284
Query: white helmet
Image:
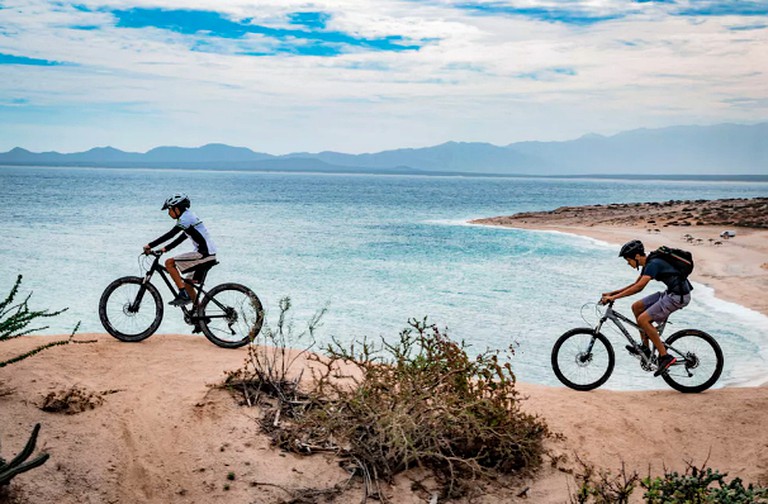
179 200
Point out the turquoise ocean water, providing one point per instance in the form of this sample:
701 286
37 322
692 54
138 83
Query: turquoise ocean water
377 250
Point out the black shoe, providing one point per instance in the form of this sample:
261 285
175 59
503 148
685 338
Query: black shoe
665 361
181 300
636 351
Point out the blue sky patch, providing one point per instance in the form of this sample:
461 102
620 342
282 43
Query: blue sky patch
726 8
312 20
548 74
564 15
10 59
312 41
759 26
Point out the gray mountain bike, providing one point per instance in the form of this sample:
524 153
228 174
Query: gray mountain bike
583 358
230 315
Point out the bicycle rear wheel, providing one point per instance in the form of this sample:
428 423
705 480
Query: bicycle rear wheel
231 315
130 310
582 359
699 361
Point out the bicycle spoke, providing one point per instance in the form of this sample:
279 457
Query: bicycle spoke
696 361
124 317
581 360
230 314
699 361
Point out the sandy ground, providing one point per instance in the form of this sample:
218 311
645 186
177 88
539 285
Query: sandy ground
159 433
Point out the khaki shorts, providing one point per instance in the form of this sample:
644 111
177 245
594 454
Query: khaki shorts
189 262
661 304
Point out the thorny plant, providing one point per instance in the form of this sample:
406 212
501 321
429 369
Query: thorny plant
14 322
695 486
268 369
15 319
418 402
603 487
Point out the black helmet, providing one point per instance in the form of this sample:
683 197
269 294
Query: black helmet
630 249
179 200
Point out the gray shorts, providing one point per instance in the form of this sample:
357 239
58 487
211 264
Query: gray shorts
189 262
661 304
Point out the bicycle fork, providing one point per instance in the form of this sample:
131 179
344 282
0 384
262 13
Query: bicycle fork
134 307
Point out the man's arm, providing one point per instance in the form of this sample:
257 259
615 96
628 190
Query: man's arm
167 236
175 243
636 287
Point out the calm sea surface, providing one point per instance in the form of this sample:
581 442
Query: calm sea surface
376 250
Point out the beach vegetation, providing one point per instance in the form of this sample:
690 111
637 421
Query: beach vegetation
419 402
15 321
696 485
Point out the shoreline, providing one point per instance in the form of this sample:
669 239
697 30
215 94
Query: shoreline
736 269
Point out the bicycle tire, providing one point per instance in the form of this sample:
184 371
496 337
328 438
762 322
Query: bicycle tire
115 313
570 361
231 315
696 353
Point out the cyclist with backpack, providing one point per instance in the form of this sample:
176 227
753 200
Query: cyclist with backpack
664 265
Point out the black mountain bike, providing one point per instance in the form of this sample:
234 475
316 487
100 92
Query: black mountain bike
230 315
583 358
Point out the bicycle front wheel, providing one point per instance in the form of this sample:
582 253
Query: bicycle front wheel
582 359
699 361
231 315
130 310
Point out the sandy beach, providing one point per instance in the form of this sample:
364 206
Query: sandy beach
155 428
736 268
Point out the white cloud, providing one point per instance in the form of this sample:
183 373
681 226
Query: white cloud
478 76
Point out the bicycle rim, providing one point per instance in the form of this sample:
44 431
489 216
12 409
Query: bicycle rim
699 361
579 367
125 320
231 315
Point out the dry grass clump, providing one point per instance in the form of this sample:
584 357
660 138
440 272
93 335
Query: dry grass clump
73 400
419 402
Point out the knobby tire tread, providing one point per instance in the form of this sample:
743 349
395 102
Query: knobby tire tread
151 290
208 299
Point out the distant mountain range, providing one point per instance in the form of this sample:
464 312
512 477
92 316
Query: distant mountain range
725 149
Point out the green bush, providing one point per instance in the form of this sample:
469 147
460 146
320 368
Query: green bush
15 321
420 402
695 486
701 486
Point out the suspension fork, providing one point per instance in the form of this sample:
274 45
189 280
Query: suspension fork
143 287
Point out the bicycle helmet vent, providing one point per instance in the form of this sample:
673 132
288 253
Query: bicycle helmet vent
180 200
630 249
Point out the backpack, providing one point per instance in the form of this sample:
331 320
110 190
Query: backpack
680 259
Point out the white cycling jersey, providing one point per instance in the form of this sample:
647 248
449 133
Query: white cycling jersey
195 229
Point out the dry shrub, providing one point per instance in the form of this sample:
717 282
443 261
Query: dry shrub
421 401
73 400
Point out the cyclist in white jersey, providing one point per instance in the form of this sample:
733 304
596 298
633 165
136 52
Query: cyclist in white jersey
190 226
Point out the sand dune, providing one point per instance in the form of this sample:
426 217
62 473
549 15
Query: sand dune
158 432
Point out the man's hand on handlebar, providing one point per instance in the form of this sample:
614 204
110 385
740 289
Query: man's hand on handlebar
607 299
148 251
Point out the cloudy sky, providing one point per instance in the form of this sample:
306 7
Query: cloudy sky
354 76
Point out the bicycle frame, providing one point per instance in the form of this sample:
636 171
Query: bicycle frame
617 319
189 313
